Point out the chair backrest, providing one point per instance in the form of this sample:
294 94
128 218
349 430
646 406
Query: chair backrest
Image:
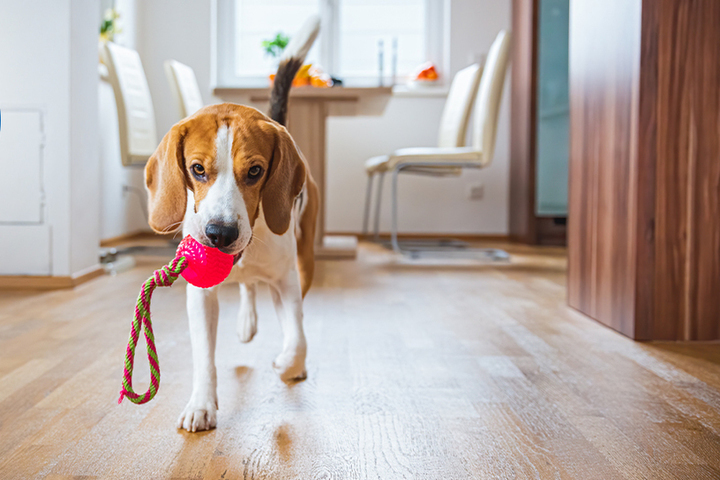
184 87
487 105
458 106
136 116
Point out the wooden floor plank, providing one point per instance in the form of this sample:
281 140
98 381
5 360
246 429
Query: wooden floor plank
416 369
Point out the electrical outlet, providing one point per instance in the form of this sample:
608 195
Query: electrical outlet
476 192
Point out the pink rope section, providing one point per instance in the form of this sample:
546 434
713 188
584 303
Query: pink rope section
164 277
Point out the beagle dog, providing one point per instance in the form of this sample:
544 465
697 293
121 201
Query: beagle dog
234 179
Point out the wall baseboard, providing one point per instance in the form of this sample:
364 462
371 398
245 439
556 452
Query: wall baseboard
469 237
133 237
32 282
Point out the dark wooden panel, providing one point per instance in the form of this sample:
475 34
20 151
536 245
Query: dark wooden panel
647 151
551 231
705 291
687 237
644 238
523 121
604 64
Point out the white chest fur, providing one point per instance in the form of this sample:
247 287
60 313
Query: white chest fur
269 257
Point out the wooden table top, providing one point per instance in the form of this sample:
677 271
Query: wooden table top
263 93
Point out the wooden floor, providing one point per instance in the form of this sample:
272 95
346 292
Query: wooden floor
425 370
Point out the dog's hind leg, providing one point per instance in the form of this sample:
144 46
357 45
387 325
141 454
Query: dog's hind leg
306 236
247 316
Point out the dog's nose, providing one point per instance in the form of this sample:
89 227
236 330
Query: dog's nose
221 235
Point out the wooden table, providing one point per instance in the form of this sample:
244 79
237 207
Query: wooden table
307 114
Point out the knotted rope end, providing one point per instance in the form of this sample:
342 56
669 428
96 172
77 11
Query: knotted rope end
163 277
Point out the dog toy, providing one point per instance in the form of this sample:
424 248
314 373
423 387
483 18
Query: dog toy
201 266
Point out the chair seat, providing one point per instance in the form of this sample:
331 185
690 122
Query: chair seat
430 155
376 164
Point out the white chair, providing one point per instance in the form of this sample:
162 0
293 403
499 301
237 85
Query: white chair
184 87
453 129
442 161
136 116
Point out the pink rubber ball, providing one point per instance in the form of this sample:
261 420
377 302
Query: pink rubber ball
207 266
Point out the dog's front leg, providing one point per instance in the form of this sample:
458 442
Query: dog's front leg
201 411
287 297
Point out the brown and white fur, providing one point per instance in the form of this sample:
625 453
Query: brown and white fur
233 178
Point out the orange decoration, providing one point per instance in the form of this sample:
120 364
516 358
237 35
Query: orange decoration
308 75
426 72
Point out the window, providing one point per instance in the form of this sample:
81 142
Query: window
365 23
353 34
258 20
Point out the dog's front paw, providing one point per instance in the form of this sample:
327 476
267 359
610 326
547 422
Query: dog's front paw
198 416
290 366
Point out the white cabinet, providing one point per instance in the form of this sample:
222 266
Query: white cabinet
21 141
24 233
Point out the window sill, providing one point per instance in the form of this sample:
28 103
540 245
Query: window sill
403 91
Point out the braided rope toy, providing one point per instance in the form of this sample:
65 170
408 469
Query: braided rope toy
201 266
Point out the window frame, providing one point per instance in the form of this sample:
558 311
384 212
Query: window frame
223 54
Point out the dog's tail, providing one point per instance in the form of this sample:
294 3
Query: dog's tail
290 62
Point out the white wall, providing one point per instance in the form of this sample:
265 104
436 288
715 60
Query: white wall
427 205
123 197
122 188
182 34
84 143
158 30
48 59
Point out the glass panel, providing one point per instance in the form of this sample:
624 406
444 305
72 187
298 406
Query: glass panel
258 20
363 23
553 122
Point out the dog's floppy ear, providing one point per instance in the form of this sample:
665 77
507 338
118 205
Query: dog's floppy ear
285 182
165 183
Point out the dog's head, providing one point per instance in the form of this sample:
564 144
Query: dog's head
231 159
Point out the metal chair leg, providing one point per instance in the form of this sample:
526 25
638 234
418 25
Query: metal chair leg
368 198
377 206
393 225
447 247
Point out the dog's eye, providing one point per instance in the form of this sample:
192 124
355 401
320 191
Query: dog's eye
198 170
255 172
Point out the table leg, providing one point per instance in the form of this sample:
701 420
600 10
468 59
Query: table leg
307 124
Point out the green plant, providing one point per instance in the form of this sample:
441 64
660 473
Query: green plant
276 46
110 25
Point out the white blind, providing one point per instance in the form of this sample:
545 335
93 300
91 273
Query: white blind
258 20
364 22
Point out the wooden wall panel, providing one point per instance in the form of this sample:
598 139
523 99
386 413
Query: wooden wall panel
704 321
687 210
644 226
604 80
647 152
523 121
